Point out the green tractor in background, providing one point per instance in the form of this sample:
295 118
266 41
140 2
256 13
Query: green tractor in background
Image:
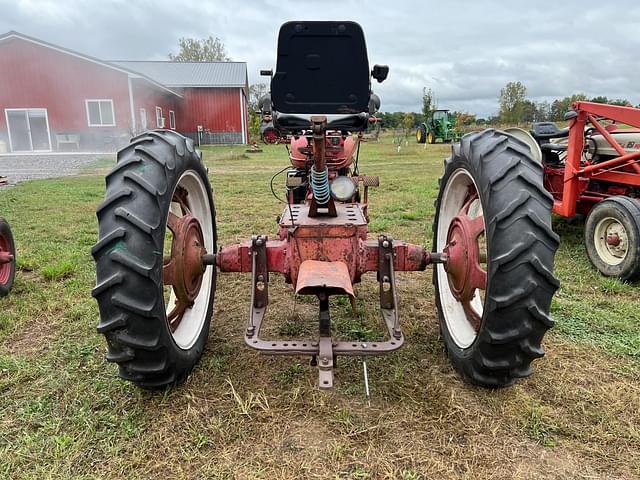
440 125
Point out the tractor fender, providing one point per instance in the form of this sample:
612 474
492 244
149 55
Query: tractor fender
527 138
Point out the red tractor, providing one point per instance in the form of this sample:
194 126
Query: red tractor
268 131
593 168
7 258
158 261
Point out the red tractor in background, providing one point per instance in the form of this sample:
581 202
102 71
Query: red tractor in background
158 259
269 133
593 168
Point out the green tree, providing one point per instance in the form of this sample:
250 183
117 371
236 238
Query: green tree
428 103
407 123
623 102
529 111
600 99
203 50
562 105
512 98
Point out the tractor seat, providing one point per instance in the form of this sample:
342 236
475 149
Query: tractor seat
322 69
547 131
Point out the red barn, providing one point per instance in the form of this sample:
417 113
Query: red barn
55 99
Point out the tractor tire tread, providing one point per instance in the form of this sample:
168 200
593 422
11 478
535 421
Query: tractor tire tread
128 257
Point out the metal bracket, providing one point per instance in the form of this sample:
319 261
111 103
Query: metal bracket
260 283
325 348
387 281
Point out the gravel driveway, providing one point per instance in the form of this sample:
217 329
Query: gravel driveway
19 168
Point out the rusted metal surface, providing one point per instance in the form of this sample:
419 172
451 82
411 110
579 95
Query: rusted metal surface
259 280
183 269
342 238
330 278
463 268
613 239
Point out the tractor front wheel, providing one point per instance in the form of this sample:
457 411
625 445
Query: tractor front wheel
421 134
154 291
431 138
493 221
7 258
612 237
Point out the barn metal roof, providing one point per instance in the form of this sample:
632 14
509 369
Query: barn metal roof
191 74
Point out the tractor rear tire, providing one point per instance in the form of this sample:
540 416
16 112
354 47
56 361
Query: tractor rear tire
7 270
431 137
421 134
616 218
496 345
140 192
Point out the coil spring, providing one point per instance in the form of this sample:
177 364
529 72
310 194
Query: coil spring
320 185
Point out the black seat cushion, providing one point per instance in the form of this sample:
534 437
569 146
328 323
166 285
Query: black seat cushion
547 130
322 68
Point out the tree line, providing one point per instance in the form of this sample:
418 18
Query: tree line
516 108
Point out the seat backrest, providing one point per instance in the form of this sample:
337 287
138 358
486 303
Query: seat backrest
322 68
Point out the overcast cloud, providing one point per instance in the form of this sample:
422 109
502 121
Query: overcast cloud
464 50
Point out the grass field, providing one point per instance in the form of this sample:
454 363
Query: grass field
65 414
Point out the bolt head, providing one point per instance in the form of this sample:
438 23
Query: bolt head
385 244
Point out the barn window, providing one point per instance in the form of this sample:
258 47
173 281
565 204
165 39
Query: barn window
159 118
143 119
172 119
100 113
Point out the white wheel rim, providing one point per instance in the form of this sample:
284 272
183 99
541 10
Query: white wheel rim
611 254
193 319
455 193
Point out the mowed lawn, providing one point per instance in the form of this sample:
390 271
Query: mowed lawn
65 414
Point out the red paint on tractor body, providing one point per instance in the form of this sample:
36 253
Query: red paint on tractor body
579 185
326 239
339 151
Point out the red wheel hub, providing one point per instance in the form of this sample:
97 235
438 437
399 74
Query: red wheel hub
613 240
183 270
463 265
6 260
270 135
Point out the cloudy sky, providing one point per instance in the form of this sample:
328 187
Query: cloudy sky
464 50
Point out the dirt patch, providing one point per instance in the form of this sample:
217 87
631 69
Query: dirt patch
33 337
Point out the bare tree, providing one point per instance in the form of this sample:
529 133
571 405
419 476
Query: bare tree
256 92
